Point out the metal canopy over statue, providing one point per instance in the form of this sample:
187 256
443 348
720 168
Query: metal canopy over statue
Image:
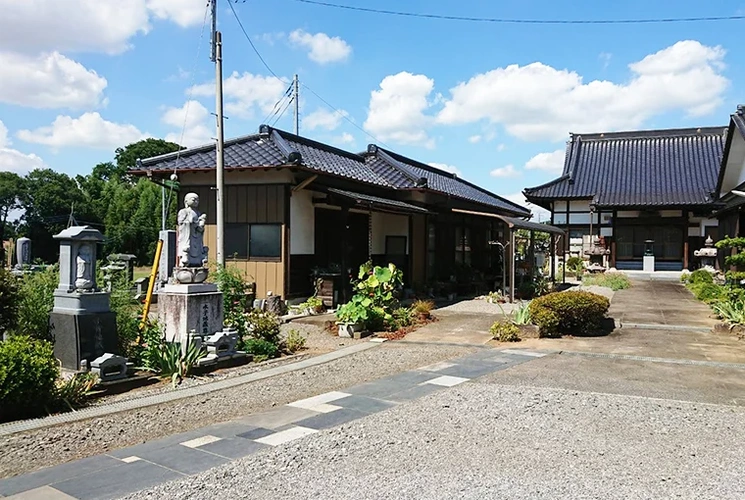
191 266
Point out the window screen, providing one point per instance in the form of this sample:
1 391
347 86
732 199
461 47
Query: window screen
265 241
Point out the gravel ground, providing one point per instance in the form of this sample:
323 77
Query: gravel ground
25 452
318 341
476 306
480 440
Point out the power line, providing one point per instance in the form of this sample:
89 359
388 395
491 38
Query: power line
526 21
266 65
277 105
287 105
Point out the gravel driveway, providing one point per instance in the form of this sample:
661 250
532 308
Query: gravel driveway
481 440
28 451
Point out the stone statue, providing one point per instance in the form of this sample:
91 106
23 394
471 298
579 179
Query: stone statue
191 249
83 277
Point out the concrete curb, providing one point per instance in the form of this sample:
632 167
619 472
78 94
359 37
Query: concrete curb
199 390
654 326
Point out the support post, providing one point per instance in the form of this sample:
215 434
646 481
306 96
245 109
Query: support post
512 265
553 258
344 295
220 156
296 103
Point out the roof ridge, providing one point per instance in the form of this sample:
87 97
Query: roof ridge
313 143
378 152
201 148
650 133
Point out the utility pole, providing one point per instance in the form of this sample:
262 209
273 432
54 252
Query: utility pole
296 102
219 153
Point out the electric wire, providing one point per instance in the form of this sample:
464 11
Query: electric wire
289 101
277 105
271 71
525 21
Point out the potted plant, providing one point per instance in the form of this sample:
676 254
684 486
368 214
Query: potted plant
354 315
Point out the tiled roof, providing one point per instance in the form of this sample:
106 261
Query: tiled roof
644 168
366 199
276 148
405 173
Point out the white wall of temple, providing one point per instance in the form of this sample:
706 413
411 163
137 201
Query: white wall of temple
388 225
302 223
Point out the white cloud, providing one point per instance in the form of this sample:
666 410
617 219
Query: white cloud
537 101
475 139
192 118
323 118
605 57
48 81
246 93
549 162
447 168
89 130
322 48
396 111
501 147
506 172
185 13
345 139
34 26
12 160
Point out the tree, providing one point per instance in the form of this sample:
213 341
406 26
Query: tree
11 185
127 156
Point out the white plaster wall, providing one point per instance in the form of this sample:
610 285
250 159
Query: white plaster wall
707 223
579 206
626 214
388 225
734 173
302 223
671 213
560 206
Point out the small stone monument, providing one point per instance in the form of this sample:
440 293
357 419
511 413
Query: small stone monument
83 326
167 257
187 304
23 252
109 367
708 255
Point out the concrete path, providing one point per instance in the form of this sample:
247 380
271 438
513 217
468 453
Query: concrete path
130 469
660 303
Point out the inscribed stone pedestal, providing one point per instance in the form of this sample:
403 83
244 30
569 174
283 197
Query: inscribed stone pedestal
186 307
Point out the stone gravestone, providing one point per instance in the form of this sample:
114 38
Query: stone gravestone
187 304
167 257
81 322
23 252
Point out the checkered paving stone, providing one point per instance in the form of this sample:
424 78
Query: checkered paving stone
131 469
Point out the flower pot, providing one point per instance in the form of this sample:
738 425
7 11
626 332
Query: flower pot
348 330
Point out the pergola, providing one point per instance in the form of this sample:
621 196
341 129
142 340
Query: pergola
514 224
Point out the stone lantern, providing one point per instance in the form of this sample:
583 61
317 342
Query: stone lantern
708 255
81 322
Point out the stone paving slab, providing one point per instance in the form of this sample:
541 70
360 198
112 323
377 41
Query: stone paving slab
131 469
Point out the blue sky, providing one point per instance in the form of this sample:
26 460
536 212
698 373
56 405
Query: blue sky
494 102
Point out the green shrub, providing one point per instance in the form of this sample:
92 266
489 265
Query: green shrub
707 292
9 301
171 360
575 265
422 308
261 349
505 331
74 392
236 295
731 311
263 325
36 302
401 317
128 315
614 281
294 341
700 276
28 374
574 312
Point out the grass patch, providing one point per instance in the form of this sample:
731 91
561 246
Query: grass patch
614 281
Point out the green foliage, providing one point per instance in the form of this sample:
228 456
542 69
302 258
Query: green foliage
700 276
9 301
128 315
375 297
401 317
731 311
28 371
261 349
235 290
263 325
707 292
148 353
541 285
75 392
313 303
294 341
738 259
521 315
174 362
574 313
575 265
11 185
36 302
495 297
614 281
505 331
127 156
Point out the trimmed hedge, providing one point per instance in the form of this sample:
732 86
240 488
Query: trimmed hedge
28 375
573 313
9 300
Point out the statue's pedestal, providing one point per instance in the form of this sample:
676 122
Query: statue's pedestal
83 327
186 307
